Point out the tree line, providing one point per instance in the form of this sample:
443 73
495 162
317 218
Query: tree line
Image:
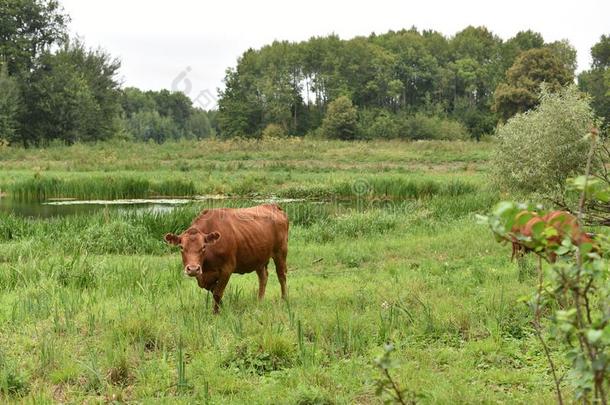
54 88
397 83
402 84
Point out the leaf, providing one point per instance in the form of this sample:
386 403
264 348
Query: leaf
524 217
603 195
482 219
586 247
538 230
578 183
593 335
550 231
503 207
599 364
567 315
606 334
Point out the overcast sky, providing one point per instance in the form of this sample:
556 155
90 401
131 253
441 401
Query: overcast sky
188 44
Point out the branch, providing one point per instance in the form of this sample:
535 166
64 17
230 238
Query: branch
399 398
537 328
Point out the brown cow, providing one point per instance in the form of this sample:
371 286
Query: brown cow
563 222
224 241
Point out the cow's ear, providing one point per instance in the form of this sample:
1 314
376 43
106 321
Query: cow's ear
172 239
212 238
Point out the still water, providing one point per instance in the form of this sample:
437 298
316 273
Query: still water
54 208
63 207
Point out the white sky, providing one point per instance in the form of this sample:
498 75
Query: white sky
158 40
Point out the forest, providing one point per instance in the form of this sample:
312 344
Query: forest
409 84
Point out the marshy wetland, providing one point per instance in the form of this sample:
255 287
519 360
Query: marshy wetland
383 247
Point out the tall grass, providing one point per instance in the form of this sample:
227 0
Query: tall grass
400 188
149 333
381 186
95 308
208 154
40 188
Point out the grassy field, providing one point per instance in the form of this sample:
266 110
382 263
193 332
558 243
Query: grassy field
95 307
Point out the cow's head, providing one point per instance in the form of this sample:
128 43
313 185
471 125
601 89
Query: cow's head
193 244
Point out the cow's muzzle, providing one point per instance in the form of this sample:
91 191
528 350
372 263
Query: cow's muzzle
192 270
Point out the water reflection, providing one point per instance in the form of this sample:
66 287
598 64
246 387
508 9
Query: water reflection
67 206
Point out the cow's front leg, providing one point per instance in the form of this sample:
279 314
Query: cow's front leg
219 289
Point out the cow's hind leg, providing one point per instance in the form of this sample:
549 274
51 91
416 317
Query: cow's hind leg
280 268
263 275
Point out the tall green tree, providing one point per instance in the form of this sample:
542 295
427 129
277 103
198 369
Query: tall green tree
522 41
134 100
521 90
565 52
596 81
411 71
28 28
398 72
199 124
73 95
175 105
149 125
280 84
10 105
601 52
162 115
240 106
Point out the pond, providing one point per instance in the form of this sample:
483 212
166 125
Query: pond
68 206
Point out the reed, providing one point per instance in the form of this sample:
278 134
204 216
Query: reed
40 188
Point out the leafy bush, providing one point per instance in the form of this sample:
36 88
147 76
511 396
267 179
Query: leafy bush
572 300
384 126
340 120
539 149
478 123
273 131
374 124
422 126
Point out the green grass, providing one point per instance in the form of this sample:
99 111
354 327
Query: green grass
291 168
95 308
41 188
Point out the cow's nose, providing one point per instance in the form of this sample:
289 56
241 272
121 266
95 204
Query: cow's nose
192 269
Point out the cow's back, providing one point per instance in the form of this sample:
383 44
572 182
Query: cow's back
249 236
